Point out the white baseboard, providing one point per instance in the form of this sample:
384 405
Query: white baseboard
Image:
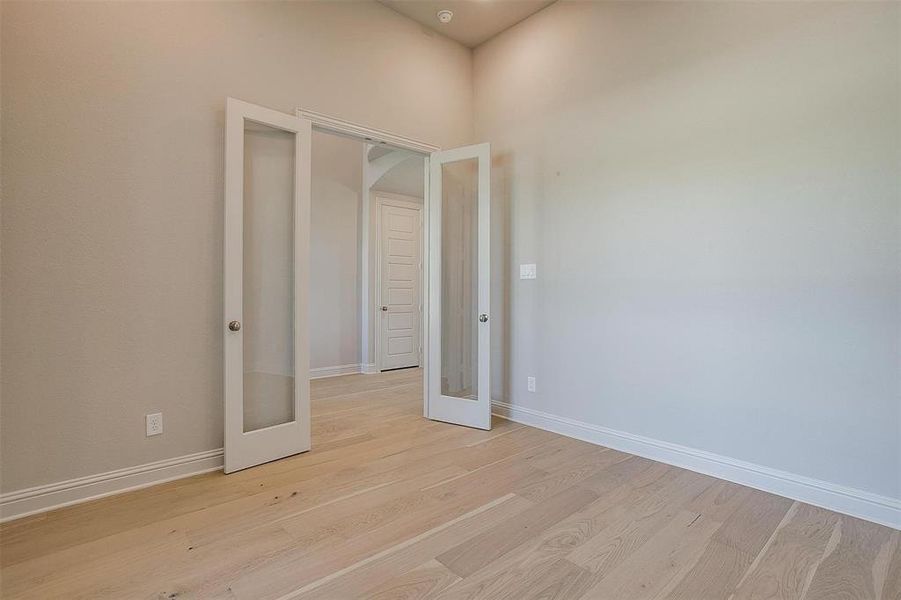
370 369
850 501
21 503
857 503
320 372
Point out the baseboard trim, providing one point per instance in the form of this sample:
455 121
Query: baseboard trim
322 372
857 503
30 501
370 369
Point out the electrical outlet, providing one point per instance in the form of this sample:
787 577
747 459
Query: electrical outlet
531 384
154 424
528 271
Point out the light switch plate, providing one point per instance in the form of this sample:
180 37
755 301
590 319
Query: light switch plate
530 383
528 272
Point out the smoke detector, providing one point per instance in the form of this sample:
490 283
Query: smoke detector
445 15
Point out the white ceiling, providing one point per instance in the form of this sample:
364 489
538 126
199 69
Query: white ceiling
474 22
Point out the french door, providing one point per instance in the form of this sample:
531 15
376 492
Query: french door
458 388
267 232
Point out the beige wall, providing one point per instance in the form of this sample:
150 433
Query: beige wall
711 194
112 121
337 170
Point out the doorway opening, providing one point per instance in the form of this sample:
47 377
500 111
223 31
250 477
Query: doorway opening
366 235
394 184
310 261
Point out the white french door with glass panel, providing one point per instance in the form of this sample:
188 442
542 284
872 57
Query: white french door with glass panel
267 232
458 387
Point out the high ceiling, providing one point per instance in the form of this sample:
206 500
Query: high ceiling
474 22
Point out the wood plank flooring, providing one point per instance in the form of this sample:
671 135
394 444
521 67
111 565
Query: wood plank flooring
389 505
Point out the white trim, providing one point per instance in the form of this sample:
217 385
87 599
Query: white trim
38 499
323 372
858 503
369 369
338 126
365 304
427 204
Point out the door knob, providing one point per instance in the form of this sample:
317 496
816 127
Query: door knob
234 325
384 309
483 318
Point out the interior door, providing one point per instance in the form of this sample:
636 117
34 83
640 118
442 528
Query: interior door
459 286
267 227
399 281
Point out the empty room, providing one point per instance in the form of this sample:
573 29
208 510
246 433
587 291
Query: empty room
450 299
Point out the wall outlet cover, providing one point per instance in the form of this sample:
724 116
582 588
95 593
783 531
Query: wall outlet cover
528 271
531 384
154 423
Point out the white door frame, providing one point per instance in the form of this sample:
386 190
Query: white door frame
381 199
329 124
342 127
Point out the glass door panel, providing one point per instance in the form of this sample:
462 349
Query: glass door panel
459 278
268 310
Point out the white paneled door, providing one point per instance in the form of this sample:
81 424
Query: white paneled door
267 232
400 226
458 389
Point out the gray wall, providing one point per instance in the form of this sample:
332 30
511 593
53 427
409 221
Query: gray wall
112 154
711 194
406 179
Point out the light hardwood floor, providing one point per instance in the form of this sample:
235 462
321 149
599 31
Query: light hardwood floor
390 505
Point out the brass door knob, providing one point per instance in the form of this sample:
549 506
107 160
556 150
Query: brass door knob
234 325
384 309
